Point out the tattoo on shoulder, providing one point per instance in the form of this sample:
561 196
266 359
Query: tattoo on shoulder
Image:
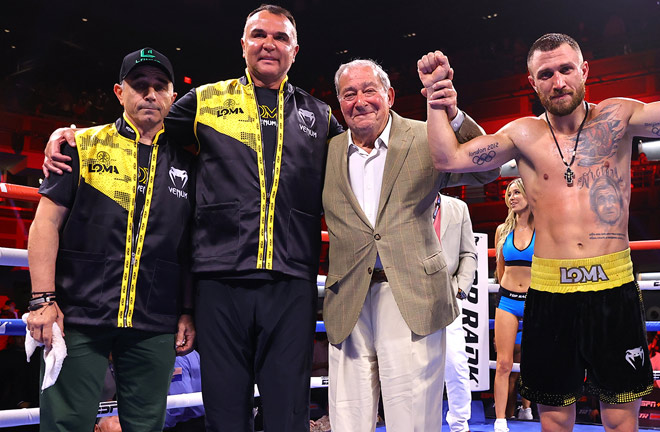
600 138
607 236
484 154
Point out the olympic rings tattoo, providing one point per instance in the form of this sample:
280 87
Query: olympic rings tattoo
655 130
483 158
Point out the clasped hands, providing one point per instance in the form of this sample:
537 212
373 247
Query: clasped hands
436 76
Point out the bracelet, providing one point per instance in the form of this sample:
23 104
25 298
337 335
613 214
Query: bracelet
43 293
187 311
41 301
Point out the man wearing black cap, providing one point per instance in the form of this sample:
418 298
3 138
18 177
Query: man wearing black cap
108 252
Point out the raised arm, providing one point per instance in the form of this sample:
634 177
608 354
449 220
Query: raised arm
645 119
479 154
43 243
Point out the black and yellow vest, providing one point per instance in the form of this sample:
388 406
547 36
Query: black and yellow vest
110 270
240 225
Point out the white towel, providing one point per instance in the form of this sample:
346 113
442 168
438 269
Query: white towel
53 358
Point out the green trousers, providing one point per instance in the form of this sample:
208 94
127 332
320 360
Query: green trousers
143 364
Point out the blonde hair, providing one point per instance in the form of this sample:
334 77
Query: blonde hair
511 219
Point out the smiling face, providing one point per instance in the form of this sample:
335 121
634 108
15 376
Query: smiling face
559 78
146 95
515 198
270 46
365 103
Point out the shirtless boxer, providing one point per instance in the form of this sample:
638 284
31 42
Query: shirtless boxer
584 310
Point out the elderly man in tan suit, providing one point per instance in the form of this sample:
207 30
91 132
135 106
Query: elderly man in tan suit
388 291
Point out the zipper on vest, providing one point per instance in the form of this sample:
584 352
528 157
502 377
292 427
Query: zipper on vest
268 189
134 241
136 245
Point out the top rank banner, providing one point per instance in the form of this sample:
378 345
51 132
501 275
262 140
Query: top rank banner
475 320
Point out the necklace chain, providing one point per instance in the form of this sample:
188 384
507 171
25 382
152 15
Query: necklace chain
569 174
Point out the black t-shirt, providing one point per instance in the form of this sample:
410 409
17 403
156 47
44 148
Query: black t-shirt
144 162
62 188
267 101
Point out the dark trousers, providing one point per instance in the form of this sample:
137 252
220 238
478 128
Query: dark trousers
256 331
143 364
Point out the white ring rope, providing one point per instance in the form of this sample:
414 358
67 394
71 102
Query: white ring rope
13 257
28 416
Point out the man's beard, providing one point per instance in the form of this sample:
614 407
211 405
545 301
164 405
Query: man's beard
562 109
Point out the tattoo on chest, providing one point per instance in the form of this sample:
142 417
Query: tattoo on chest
606 197
598 144
589 177
600 139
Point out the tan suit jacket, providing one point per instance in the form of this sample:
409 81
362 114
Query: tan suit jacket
403 235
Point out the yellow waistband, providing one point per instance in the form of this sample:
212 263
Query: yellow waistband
578 275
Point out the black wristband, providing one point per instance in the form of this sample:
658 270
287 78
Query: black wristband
43 300
187 311
43 293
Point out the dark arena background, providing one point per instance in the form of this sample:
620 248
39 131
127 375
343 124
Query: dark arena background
59 60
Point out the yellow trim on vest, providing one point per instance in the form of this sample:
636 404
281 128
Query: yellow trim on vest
198 99
143 229
128 256
132 264
267 205
262 177
581 275
276 174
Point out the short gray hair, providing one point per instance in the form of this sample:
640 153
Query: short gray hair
378 71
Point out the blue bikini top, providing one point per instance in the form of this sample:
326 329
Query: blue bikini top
516 257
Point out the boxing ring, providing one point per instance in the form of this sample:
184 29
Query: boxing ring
16 327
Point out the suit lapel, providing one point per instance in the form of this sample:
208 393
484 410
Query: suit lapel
341 161
445 215
399 143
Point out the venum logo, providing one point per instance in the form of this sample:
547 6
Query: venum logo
102 164
582 275
308 120
635 355
179 180
229 107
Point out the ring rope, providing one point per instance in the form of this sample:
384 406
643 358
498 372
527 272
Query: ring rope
28 416
16 327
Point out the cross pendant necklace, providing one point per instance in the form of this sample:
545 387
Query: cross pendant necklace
569 174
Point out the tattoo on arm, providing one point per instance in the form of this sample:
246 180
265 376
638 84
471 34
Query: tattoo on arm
654 128
484 154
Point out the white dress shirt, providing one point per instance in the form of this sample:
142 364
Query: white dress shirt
365 174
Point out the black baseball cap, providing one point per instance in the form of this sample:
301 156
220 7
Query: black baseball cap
144 56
